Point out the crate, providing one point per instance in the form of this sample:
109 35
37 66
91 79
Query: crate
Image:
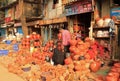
15 47
4 52
8 41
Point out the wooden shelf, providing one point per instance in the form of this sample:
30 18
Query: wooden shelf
32 2
28 19
9 5
16 2
102 37
97 28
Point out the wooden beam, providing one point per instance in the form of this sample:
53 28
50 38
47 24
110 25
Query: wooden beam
23 18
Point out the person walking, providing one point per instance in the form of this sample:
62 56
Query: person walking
66 37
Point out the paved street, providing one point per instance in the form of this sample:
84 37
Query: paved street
7 76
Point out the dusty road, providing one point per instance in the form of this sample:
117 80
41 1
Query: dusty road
7 76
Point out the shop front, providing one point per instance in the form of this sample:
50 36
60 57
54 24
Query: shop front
50 28
115 14
33 27
79 15
18 28
2 30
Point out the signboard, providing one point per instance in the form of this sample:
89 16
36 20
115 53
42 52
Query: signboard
115 12
79 7
9 15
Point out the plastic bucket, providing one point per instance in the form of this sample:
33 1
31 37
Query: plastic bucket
3 52
15 47
8 41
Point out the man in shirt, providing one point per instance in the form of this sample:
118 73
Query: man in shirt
66 36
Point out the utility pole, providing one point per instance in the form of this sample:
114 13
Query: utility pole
23 18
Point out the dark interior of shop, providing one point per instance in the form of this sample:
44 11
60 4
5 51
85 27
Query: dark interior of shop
84 21
116 2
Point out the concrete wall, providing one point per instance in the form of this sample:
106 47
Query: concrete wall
31 10
105 7
51 13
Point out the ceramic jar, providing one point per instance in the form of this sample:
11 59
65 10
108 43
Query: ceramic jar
106 22
99 22
100 33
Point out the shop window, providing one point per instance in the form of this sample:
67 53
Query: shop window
116 2
54 3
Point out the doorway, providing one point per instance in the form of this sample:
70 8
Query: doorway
118 42
84 22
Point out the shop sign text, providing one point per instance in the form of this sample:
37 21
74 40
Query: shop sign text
79 7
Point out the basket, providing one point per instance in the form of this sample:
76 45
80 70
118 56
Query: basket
26 68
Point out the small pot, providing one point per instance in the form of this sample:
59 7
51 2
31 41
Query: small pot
100 22
81 58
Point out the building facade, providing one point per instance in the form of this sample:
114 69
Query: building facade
54 18
12 13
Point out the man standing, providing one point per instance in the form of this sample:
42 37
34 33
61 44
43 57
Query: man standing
66 36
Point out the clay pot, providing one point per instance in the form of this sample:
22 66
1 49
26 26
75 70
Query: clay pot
95 66
38 36
72 49
31 36
76 57
117 65
59 36
68 60
99 22
76 28
106 22
77 51
113 69
112 76
36 43
73 42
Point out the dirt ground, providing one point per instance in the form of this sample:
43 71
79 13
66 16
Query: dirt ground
7 76
4 74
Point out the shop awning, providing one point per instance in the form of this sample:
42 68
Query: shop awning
53 21
44 22
5 25
33 23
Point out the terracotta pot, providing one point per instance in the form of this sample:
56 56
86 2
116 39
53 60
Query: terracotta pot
99 22
72 49
87 56
113 69
73 42
27 46
27 43
76 28
77 51
59 36
68 60
35 36
117 65
106 22
95 66
99 78
38 36
31 36
112 76
77 67
76 57
36 43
